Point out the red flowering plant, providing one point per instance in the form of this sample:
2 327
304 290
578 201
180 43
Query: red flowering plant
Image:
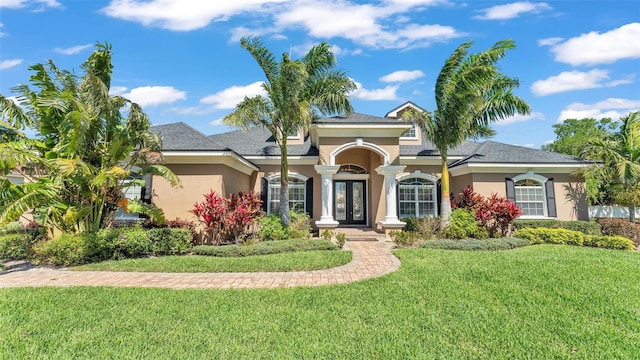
230 216
495 213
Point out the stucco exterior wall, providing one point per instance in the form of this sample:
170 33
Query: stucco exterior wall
328 145
571 201
196 180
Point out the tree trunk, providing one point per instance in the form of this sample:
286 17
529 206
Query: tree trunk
284 184
632 213
445 200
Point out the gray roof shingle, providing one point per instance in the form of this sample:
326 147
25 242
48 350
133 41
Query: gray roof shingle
260 142
358 118
180 136
495 152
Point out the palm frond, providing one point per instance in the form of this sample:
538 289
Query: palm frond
163 171
262 55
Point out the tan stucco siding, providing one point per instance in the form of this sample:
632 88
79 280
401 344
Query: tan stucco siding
196 181
389 145
569 191
459 183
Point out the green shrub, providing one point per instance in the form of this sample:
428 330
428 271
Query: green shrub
476 244
463 225
427 227
65 250
585 227
621 227
263 248
271 228
132 242
16 246
551 236
326 234
169 241
341 239
609 242
410 224
405 238
300 226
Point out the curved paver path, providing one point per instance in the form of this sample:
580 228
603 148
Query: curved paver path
370 259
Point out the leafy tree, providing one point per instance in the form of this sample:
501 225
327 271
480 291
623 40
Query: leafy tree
470 94
87 147
620 155
572 136
297 91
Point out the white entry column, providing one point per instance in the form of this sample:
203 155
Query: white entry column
327 172
389 172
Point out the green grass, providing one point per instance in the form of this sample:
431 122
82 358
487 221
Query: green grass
292 261
536 302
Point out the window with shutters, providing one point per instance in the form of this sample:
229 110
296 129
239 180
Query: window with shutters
534 194
297 193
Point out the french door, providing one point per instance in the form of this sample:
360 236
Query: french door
350 202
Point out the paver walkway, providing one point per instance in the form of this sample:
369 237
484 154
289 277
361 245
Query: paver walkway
370 259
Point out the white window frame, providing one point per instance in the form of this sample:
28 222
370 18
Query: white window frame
434 194
273 182
414 129
538 179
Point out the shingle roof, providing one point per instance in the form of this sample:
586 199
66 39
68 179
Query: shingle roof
358 118
260 142
180 136
426 148
495 152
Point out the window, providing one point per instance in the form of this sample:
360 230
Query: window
132 192
410 134
530 197
417 197
351 169
534 194
297 194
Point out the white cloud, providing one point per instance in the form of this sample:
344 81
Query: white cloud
387 93
613 108
117 90
513 10
370 25
151 95
72 50
596 48
549 41
575 80
230 97
217 122
18 4
182 15
520 118
402 75
5 64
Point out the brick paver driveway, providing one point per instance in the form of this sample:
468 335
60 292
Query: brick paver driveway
370 259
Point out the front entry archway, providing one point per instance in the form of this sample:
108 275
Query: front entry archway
350 202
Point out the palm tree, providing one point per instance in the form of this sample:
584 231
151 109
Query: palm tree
297 91
620 156
88 144
470 94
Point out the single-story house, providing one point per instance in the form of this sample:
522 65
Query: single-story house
362 170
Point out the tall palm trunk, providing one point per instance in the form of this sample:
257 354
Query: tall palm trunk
632 213
445 199
284 183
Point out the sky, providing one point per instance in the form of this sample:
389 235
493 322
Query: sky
181 60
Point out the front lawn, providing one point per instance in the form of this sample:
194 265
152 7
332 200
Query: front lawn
536 302
292 261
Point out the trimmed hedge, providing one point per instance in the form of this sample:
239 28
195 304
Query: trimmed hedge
120 243
263 248
585 227
609 242
621 227
476 244
15 246
570 237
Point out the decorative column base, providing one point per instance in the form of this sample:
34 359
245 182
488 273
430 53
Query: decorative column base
390 226
327 223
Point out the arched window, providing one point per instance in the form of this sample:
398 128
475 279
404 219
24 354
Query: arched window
534 194
417 196
351 169
297 193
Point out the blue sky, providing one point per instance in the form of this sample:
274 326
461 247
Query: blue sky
181 59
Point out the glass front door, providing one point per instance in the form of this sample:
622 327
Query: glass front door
350 201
